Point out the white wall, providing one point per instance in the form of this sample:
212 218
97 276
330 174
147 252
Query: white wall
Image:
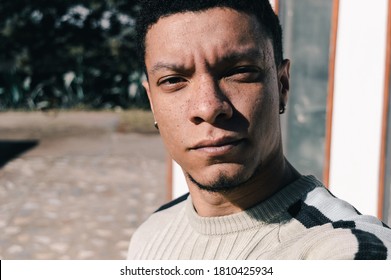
357 108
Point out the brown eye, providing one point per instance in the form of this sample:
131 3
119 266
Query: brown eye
245 74
172 83
173 80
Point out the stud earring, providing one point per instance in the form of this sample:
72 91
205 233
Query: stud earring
156 125
282 109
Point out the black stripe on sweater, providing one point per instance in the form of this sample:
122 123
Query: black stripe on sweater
344 224
370 247
384 225
309 216
173 202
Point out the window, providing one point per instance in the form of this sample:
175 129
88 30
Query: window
306 34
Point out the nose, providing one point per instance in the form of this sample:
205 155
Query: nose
209 103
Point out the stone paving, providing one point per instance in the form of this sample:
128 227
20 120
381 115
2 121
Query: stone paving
82 191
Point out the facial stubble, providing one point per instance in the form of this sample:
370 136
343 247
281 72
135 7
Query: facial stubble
224 184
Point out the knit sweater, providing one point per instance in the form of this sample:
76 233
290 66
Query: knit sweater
302 221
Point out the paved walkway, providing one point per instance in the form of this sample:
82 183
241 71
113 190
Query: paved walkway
82 191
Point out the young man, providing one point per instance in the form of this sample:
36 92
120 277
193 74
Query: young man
217 84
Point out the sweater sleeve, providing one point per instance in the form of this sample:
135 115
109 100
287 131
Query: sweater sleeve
337 242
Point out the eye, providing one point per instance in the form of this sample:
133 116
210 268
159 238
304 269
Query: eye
244 74
172 83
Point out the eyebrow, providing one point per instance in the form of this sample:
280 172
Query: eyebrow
165 66
250 53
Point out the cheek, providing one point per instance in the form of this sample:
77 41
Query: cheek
263 115
170 117
164 111
255 103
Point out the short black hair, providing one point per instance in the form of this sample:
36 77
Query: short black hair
152 10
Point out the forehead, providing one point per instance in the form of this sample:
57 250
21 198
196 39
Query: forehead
216 30
222 15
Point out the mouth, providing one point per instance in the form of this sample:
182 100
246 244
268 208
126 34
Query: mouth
217 147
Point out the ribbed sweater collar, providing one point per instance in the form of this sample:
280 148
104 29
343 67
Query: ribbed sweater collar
263 213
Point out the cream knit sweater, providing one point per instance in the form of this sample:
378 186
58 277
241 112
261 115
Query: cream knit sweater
302 221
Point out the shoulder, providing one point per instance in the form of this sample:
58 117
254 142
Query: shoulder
164 214
163 219
335 229
363 238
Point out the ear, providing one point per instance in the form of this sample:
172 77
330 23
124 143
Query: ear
147 89
283 81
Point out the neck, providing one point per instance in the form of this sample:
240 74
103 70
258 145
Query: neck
265 181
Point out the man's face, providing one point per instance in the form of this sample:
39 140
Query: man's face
215 93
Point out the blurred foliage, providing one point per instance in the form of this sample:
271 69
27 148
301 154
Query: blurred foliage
67 54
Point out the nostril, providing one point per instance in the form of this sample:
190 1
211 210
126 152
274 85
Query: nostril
228 110
211 113
197 120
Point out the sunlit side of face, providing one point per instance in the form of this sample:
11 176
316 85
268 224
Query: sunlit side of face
214 90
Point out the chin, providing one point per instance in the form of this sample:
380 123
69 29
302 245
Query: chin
221 181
